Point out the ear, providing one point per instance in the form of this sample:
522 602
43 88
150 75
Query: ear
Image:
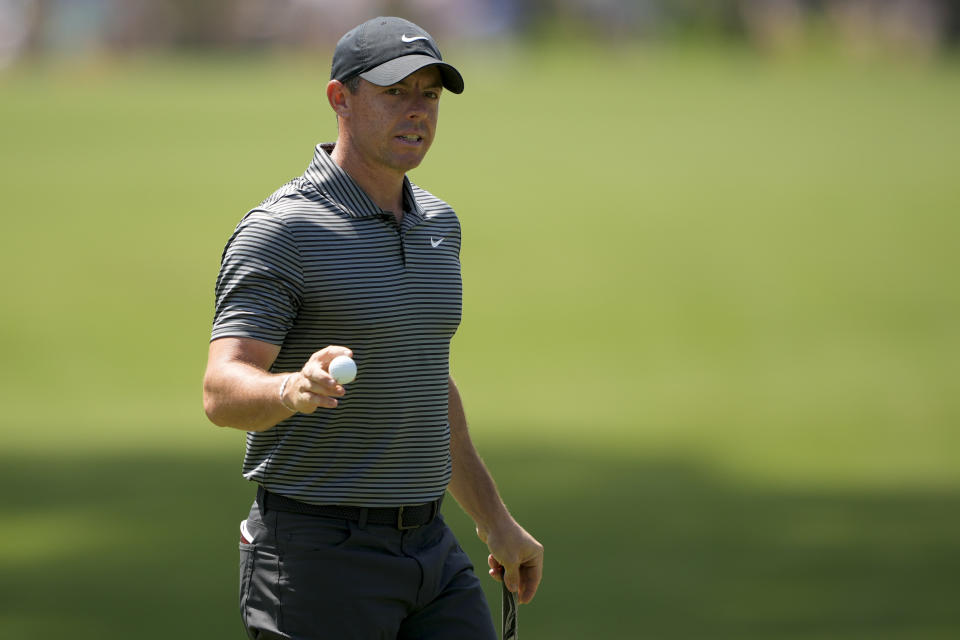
338 97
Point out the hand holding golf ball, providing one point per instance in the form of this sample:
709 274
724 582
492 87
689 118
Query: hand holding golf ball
343 369
320 382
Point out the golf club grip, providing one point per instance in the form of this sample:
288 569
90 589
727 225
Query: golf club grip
508 610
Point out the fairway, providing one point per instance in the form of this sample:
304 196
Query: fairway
709 347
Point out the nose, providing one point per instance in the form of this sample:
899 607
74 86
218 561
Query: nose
418 108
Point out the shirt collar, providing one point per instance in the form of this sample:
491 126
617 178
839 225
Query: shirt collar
329 178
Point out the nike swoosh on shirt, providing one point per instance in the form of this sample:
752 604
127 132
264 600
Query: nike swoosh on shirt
407 38
436 243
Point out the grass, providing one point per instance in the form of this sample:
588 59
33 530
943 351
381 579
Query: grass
709 344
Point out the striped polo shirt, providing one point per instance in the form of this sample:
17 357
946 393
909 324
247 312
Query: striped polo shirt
317 264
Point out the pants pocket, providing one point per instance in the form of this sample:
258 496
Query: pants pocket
259 600
247 559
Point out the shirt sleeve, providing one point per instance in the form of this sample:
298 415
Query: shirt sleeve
260 285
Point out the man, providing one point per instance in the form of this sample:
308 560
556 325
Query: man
344 539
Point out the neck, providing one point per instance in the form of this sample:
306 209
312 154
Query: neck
383 186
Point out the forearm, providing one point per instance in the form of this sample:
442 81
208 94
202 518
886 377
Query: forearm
239 391
243 396
471 484
515 557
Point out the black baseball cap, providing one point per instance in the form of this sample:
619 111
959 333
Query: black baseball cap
384 51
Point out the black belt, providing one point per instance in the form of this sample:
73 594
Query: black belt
400 517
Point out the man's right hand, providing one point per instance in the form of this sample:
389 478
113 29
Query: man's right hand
313 386
240 392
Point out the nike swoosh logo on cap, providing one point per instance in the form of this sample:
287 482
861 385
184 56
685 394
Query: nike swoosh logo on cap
407 38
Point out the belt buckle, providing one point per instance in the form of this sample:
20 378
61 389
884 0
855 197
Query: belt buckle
400 524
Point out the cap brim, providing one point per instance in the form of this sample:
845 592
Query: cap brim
393 71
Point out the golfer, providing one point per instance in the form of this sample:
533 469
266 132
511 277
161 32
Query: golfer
345 538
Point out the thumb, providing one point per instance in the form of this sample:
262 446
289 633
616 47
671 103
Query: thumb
511 578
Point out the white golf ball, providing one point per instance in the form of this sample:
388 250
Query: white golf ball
343 369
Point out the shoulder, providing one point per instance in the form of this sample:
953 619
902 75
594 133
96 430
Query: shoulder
296 201
264 228
295 198
432 205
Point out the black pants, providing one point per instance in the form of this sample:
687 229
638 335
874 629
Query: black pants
306 577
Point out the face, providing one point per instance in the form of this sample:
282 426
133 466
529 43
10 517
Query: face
393 127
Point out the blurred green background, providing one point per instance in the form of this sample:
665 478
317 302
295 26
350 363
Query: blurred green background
709 348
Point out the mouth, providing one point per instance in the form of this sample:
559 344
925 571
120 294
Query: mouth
410 138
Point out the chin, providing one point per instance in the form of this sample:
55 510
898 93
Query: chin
408 163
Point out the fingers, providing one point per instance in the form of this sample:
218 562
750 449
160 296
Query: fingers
313 387
496 569
305 394
521 568
530 577
325 355
318 381
523 581
511 578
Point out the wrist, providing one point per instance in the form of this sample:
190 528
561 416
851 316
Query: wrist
282 394
495 526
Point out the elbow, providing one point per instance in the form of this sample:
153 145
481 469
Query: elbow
223 413
213 412
212 406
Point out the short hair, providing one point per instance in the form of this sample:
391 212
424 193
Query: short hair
352 83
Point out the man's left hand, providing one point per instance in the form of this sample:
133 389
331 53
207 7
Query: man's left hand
515 557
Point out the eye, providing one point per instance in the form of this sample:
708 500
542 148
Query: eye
433 95
394 91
